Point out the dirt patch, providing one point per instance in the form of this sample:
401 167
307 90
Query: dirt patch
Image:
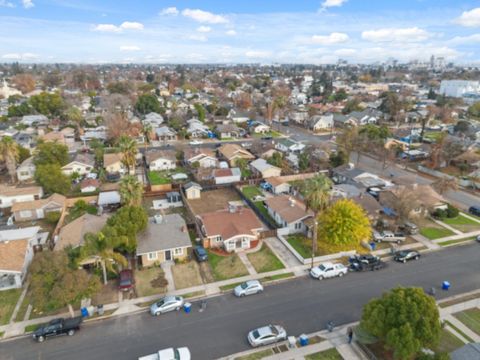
213 200
186 275
108 294
206 273
150 281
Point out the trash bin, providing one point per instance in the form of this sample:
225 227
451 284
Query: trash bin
100 310
187 307
373 245
84 312
445 285
303 340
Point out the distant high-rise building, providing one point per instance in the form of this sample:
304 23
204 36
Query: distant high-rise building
459 88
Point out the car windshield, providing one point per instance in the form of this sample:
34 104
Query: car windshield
321 267
256 334
177 354
274 330
244 286
160 303
403 253
124 282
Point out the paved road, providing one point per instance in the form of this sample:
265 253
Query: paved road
303 305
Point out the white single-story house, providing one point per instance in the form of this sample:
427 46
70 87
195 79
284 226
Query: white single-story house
26 170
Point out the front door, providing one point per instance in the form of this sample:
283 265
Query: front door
168 255
238 244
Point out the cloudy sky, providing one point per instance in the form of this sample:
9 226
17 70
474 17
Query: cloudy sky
266 31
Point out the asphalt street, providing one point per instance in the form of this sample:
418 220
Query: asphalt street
302 305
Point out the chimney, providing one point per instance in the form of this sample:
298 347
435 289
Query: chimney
184 229
291 201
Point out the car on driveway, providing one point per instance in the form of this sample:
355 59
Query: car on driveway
474 210
328 270
406 255
266 335
248 288
365 262
126 280
166 304
169 354
200 253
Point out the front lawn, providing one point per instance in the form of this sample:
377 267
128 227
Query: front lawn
448 342
470 318
186 275
458 241
433 233
301 244
462 223
330 354
150 281
8 300
273 134
158 178
256 355
265 260
226 267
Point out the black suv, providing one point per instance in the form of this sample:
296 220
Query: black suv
200 253
365 262
474 210
406 255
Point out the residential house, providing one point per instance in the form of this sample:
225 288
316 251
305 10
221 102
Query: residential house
109 198
197 129
367 202
89 185
192 190
278 185
260 128
26 170
289 212
233 152
113 164
227 176
161 160
81 164
68 135
31 120
232 230
25 140
227 131
321 122
16 254
73 234
262 168
289 145
166 238
346 174
164 133
238 116
54 136
38 209
299 117
204 157
153 119
10 195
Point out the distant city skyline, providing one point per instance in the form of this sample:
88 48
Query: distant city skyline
312 32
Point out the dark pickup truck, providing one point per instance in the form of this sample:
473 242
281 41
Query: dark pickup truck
365 262
58 327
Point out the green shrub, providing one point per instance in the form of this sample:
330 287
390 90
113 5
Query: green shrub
52 217
440 214
452 211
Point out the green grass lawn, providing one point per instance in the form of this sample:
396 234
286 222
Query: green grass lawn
273 133
471 319
226 267
458 241
251 191
256 355
265 260
448 342
8 300
301 244
330 354
158 178
261 207
462 223
278 277
433 233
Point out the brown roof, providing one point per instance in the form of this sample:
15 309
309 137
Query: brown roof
110 159
229 224
425 194
368 203
13 191
160 154
289 208
190 153
275 181
12 254
53 136
222 172
230 151
74 232
89 182
38 204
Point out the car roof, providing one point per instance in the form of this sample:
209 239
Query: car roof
265 330
326 264
252 282
125 274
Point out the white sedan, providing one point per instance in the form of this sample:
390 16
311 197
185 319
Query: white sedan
328 270
169 354
266 335
196 142
248 288
166 304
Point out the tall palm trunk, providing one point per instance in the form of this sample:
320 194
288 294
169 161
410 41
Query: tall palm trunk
314 238
104 270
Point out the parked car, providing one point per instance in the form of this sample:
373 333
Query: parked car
200 253
169 354
91 176
409 228
246 145
196 142
166 304
58 327
267 137
406 255
248 288
474 210
389 236
365 262
266 335
126 280
478 238
328 270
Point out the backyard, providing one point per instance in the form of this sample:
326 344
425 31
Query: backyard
150 281
159 178
213 200
186 275
8 300
226 267
462 223
250 192
265 260
470 318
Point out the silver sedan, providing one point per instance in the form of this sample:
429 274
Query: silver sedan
266 335
248 288
166 304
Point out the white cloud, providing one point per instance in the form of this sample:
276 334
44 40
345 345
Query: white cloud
129 25
107 28
469 18
28 4
333 38
465 40
231 33
129 48
333 3
345 52
170 11
412 34
204 29
5 3
204 16
257 54
198 37
17 56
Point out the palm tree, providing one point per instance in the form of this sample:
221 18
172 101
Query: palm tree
9 154
316 192
128 147
102 251
131 191
147 129
445 184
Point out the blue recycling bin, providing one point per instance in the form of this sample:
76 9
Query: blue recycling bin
84 312
303 340
445 285
373 245
187 307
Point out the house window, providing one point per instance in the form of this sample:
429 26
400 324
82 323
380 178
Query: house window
218 239
25 214
152 256
298 226
178 251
